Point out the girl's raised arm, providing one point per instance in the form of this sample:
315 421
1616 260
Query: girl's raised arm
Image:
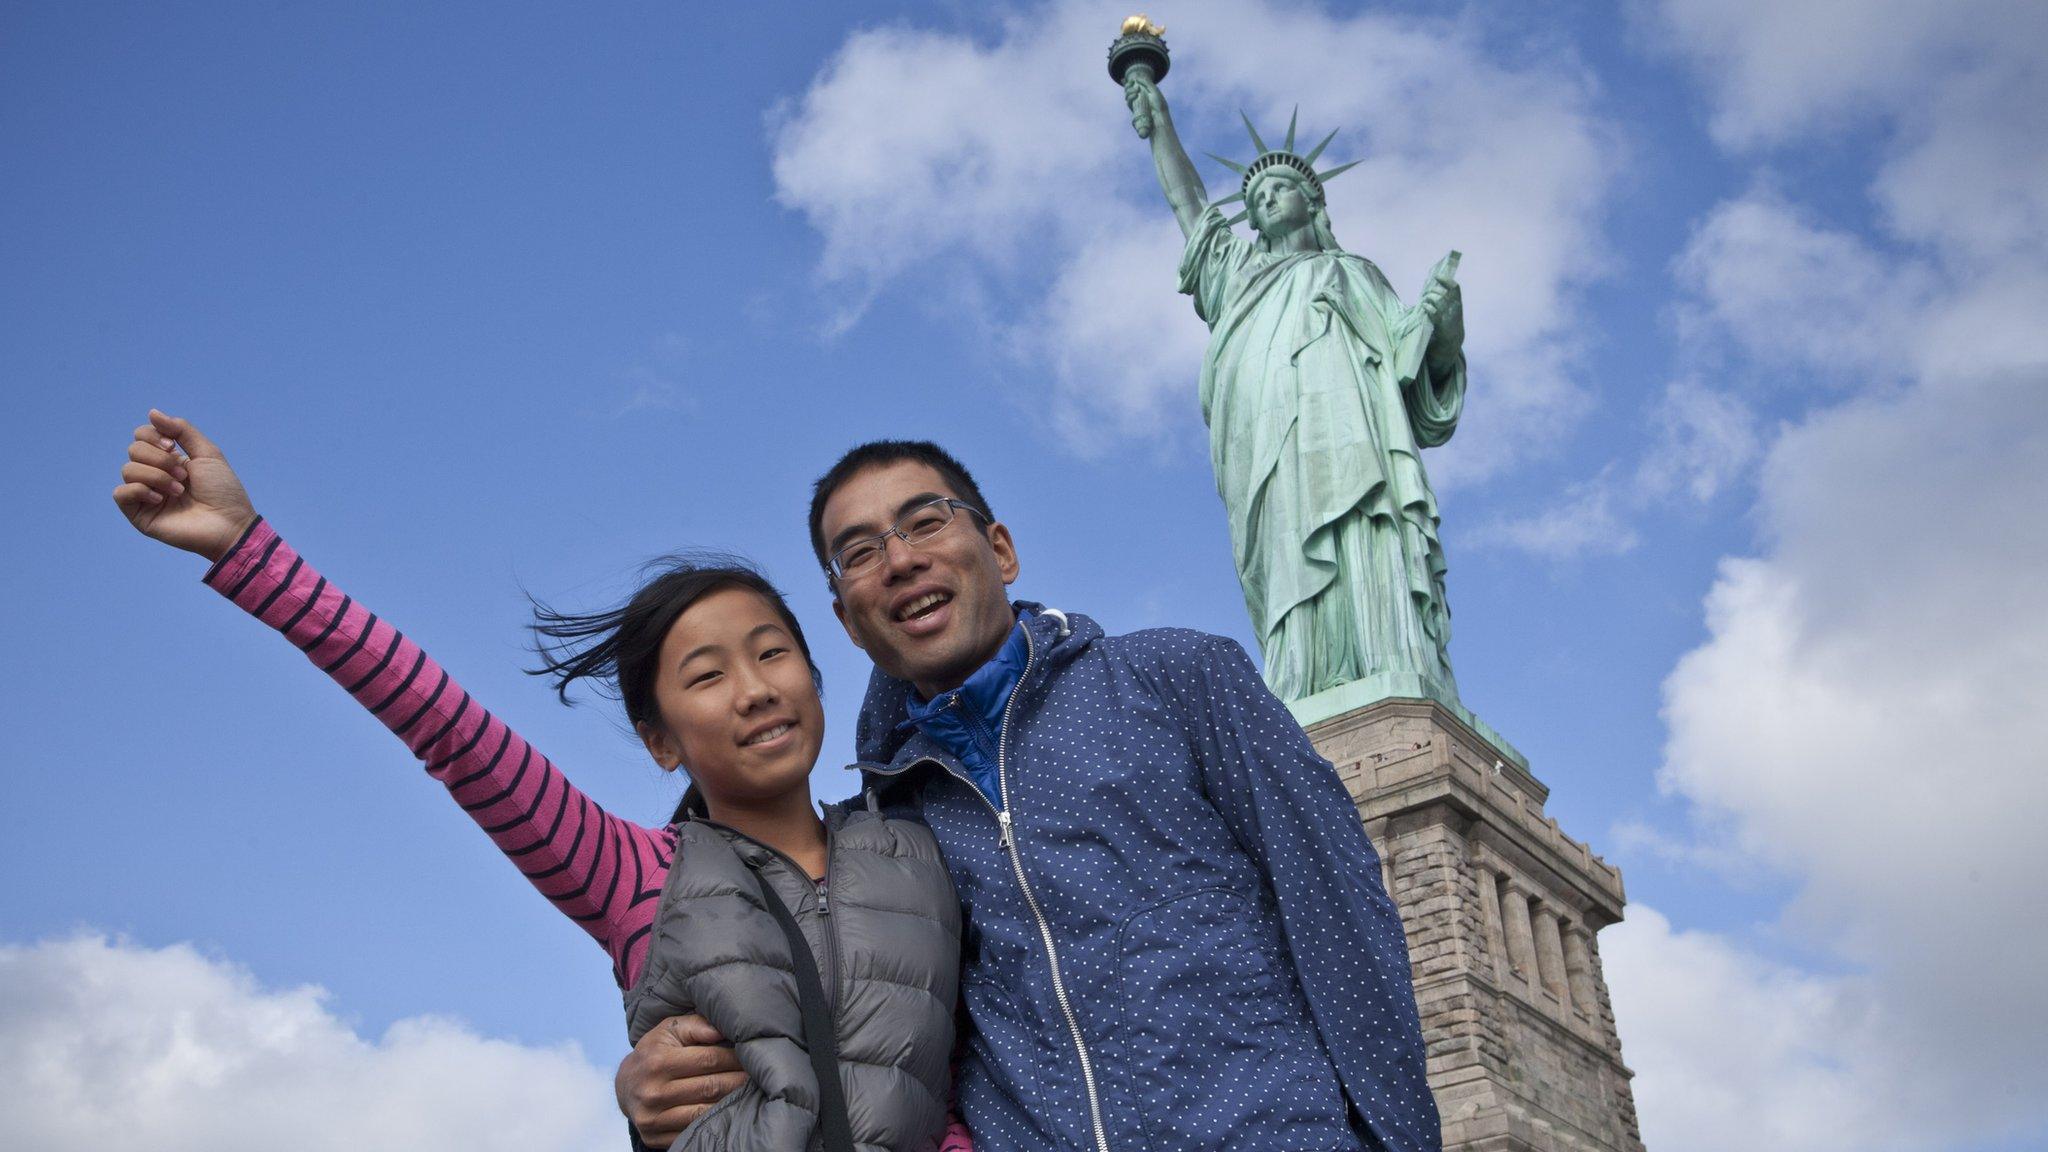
598 869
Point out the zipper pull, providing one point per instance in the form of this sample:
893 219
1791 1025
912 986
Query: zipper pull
1003 821
824 906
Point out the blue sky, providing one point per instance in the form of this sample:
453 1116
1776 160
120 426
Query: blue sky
483 298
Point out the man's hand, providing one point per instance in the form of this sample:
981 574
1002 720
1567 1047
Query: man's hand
177 488
674 1075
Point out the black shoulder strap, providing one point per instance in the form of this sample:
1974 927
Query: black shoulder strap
819 1036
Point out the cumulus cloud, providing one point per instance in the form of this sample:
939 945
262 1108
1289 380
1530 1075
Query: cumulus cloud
1958 86
105 1043
1864 715
1004 165
1123 351
1864 718
1862 674
1791 292
1585 521
1782 70
1702 440
1735 1038
1706 438
1954 272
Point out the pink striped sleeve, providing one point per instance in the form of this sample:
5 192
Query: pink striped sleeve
955 1138
602 872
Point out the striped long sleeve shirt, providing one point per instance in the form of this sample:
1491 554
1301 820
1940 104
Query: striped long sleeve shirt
602 872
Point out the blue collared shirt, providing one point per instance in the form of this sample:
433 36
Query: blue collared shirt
969 719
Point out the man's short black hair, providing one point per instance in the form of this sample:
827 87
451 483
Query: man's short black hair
875 453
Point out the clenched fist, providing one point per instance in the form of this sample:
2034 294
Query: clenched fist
177 488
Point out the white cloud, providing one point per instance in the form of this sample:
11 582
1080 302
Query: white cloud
1894 634
106 1043
1005 167
1865 719
1706 439
1124 351
1795 294
1952 285
913 145
1582 522
1958 85
1782 70
1733 1039
1864 716
1987 124
1703 440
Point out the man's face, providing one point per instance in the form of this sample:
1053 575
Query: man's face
930 614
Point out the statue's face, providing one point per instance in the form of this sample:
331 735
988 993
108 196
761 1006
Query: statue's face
1280 203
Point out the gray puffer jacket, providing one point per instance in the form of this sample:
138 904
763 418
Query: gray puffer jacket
885 935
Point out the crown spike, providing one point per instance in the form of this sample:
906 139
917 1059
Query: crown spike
1296 115
1256 142
1233 198
1326 177
1237 219
1233 165
1318 149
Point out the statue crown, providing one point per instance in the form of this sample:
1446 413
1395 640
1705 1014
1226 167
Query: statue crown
1269 158
1281 160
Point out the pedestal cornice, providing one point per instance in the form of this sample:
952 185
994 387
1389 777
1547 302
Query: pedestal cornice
1400 757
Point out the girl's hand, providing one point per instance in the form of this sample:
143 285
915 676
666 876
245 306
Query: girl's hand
177 488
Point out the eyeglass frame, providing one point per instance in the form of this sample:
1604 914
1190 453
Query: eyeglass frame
881 539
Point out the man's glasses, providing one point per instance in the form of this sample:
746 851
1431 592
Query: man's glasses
914 527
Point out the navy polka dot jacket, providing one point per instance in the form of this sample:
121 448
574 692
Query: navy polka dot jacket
1176 935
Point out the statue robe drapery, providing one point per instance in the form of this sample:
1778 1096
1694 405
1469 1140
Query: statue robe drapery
1320 389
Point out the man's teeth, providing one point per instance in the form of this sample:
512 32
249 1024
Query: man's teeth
770 734
922 604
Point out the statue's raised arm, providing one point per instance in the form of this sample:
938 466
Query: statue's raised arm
1137 61
1177 175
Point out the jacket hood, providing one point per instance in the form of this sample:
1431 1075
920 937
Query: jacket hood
1056 638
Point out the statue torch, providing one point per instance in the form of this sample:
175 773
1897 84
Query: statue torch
1139 53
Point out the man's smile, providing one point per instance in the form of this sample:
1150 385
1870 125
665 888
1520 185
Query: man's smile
922 612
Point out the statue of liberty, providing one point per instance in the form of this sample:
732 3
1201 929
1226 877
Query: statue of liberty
1320 389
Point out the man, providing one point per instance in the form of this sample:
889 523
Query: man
1176 934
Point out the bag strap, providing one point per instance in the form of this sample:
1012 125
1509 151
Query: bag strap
833 1123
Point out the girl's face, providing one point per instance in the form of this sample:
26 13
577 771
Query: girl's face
738 709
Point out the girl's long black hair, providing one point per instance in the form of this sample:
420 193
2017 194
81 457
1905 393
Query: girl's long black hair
618 650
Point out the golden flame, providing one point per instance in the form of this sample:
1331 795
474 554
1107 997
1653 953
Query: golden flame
1135 25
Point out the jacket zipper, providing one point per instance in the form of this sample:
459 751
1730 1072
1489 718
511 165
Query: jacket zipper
831 980
831 932
1052 953
1007 840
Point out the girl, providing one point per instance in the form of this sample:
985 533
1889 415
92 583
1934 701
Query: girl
826 950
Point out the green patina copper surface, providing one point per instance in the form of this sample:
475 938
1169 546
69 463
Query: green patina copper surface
1320 389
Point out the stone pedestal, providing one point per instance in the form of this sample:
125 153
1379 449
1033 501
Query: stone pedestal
1502 911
